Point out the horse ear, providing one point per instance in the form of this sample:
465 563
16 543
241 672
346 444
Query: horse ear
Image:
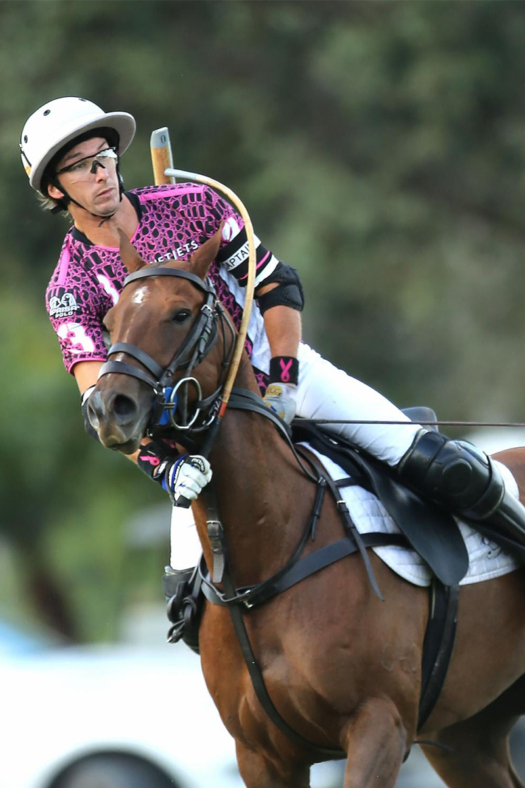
206 254
129 255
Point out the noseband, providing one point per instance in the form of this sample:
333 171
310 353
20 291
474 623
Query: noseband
200 339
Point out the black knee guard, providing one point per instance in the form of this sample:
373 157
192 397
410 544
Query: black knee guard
462 478
454 473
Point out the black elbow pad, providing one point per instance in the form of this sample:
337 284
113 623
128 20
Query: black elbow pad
289 291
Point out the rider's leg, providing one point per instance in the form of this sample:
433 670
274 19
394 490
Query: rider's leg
185 552
461 476
325 392
452 473
177 582
185 545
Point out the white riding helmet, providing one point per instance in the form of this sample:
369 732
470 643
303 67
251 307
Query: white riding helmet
58 122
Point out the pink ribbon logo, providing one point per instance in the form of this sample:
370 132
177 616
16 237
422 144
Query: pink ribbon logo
285 369
152 460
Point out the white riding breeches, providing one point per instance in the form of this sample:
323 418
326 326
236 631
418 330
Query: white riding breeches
186 548
324 392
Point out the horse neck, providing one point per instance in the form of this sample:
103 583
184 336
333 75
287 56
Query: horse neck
262 495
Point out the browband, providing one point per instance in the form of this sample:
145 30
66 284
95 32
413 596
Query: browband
152 270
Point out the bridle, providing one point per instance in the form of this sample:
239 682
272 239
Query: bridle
199 341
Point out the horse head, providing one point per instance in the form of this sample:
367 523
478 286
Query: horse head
165 325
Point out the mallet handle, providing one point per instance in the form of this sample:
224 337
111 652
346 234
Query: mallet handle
250 281
161 155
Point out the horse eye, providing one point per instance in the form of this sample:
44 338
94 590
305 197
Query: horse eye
181 316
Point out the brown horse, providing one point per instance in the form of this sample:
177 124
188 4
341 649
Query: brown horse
342 667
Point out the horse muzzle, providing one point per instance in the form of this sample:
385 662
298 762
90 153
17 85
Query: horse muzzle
120 418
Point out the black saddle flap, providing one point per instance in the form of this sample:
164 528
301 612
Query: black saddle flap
432 531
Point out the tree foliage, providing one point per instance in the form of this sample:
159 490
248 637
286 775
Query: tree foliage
379 149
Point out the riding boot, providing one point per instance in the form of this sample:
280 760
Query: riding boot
182 589
462 478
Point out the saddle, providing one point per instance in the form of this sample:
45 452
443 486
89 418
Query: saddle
430 530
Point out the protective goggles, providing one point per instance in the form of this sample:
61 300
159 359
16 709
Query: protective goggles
83 168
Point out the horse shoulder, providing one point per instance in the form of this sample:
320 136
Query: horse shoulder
514 459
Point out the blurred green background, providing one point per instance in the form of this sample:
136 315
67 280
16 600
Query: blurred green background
379 148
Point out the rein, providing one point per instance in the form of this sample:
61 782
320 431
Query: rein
432 423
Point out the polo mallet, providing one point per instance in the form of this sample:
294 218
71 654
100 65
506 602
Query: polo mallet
164 172
161 155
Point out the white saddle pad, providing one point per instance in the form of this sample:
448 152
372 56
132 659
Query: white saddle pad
486 559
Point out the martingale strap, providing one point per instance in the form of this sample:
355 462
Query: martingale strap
237 617
439 637
437 645
291 574
441 626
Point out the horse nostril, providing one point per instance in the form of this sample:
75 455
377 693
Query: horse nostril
124 407
95 409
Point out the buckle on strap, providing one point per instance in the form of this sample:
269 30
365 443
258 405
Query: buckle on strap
216 537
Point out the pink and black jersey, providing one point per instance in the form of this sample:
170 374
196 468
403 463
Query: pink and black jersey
174 220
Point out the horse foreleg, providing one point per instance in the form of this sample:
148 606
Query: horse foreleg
258 770
375 742
476 754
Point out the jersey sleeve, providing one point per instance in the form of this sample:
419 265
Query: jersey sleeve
74 309
234 253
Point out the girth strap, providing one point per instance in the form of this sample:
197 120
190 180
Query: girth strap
437 645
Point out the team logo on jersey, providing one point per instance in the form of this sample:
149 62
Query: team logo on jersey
230 229
177 252
63 306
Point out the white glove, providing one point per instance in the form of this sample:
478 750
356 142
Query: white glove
280 397
187 476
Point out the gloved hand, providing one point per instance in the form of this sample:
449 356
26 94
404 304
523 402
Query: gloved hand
184 475
280 397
